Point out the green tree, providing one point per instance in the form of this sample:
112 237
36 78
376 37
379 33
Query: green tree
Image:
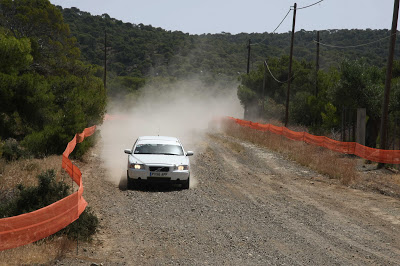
361 86
53 49
46 93
15 54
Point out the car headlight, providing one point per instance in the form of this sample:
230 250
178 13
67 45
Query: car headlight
136 166
183 167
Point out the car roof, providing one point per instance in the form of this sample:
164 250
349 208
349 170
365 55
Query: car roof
164 138
158 140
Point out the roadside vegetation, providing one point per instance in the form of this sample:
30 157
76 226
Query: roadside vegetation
30 184
348 170
42 252
48 190
332 109
47 93
332 164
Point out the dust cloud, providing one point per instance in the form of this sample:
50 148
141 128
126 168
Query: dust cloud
183 109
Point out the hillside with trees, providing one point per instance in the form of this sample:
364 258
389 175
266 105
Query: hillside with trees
47 93
139 50
349 78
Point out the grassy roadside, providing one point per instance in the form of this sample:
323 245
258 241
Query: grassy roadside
42 252
24 171
349 170
41 185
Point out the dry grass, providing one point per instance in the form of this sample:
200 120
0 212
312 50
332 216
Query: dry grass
382 181
25 172
39 253
233 146
349 170
324 161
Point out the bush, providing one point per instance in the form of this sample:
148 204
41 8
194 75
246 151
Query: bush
48 191
50 140
83 147
274 110
329 117
83 228
11 150
33 198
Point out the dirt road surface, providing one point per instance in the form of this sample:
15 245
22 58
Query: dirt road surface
250 206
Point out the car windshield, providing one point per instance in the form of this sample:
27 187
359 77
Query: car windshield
165 149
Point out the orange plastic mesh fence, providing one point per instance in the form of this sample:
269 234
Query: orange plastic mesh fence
29 227
375 155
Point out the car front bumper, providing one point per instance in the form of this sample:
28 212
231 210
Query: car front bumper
167 177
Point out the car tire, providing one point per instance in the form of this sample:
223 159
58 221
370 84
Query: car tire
186 184
130 183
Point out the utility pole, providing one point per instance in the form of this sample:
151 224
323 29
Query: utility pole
385 106
317 66
248 56
290 66
105 59
264 84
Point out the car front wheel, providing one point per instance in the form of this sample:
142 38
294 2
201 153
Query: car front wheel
130 184
185 184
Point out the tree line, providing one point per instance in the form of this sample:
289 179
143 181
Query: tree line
138 52
143 50
350 85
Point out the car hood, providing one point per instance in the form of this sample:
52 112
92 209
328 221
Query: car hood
151 159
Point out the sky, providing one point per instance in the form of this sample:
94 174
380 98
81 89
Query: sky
236 16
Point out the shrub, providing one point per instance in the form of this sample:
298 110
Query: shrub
329 117
11 150
30 199
50 140
3 164
84 227
83 147
48 191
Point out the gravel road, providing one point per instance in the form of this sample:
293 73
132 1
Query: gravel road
249 206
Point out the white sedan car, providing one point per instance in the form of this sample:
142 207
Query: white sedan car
158 159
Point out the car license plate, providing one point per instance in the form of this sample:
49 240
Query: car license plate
159 174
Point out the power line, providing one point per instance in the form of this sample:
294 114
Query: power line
353 46
290 9
309 5
282 20
272 75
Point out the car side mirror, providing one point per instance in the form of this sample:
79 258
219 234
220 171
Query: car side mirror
128 151
189 153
